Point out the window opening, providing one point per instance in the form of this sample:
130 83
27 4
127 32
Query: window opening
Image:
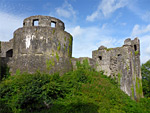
53 24
35 22
119 55
135 48
100 57
9 53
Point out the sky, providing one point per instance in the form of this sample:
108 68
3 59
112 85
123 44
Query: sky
92 23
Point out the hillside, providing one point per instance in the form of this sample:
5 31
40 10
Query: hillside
80 91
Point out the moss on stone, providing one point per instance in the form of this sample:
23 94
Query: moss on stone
50 63
52 52
57 57
70 61
119 78
108 49
132 90
59 46
70 46
97 65
136 52
53 31
127 68
65 38
138 87
70 41
68 52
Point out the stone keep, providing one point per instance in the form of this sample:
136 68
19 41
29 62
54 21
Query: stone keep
122 64
41 44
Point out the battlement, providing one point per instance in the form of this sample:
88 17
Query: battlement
43 21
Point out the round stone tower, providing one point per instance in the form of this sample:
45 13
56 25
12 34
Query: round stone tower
42 44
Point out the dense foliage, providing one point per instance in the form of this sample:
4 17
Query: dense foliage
80 91
146 78
4 73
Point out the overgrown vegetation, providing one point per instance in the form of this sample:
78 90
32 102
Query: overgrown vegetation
146 78
136 52
4 74
80 91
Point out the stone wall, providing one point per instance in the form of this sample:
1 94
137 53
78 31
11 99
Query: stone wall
81 59
43 45
122 64
6 48
40 47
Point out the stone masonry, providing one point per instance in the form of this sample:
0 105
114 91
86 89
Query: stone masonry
122 64
43 45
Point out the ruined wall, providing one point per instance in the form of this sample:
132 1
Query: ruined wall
42 44
122 64
81 59
41 47
6 48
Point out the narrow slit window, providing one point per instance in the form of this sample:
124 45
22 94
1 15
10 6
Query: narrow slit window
35 22
100 57
53 24
135 48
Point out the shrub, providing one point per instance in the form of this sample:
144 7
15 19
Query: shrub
81 91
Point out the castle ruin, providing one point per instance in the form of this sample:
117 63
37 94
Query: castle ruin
42 44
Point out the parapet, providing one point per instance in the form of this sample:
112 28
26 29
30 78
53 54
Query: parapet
102 47
128 42
43 21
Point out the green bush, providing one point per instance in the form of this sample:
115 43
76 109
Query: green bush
145 69
81 91
31 91
4 72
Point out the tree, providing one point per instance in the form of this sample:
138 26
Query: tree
146 78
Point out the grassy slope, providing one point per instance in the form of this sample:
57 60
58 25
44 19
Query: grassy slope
81 91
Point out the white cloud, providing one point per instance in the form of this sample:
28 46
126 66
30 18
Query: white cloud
77 31
85 40
111 42
66 10
106 8
63 12
90 38
145 48
93 16
8 24
148 50
123 24
141 12
140 30
146 16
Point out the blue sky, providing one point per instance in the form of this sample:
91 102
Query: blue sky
91 22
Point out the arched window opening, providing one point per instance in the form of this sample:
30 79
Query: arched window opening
135 48
100 57
9 53
119 55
